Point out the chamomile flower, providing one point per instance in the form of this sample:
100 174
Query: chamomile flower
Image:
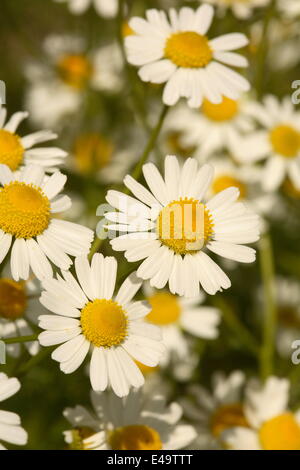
137 422
105 8
89 316
29 203
271 425
289 8
242 9
10 423
170 225
176 51
16 151
213 412
279 141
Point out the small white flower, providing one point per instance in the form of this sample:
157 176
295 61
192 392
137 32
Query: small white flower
105 8
10 423
242 9
289 8
170 225
176 50
89 316
29 203
137 422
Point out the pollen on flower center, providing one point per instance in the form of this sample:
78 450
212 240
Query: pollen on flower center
285 140
11 149
188 49
75 70
13 301
280 433
92 152
104 323
224 111
165 308
24 210
228 416
135 437
226 181
185 226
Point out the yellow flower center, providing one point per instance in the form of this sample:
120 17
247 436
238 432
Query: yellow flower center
280 433
135 437
13 300
92 152
78 436
285 140
222 182
104 323
165 308
11 149
224 111
127 30
228 416
24 210
75 70
188 49
184 226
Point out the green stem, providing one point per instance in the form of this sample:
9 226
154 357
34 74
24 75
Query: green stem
33 361
270 310
20 339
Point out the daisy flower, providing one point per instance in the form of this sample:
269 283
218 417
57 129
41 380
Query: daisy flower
137 422
105 8
176 51
213 412
29 203
10 424
289 8
271 425
89 316
16 151
242 9
170 225
279 141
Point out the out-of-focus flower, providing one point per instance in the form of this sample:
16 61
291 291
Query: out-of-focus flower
137 422
16 151
88 316
242 9
29 203
169 227
10 423
289 8
177 52
105 8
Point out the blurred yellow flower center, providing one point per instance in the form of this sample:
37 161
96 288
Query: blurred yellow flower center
280 433
285 141
104 323
13 300
228 416
224 111
188 49
75 70
92 152
288 316
165 308
78 436
24 210
135 437
290 189
11 149
127 30
185 226
222 182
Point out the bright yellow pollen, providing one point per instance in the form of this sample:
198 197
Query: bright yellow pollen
78 436
185 226
285 141
11 149
224 111
280 433
188 49
165 308
13 300
135 437
92 152
75 70
222 182
24 210
127 30
228 416
104 323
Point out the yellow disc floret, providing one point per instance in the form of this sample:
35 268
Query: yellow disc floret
104 323
11 149
135 437
188 49
222 182
226 417
224 111
13 299
280 433
165 308
75 70
24 210
285 141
